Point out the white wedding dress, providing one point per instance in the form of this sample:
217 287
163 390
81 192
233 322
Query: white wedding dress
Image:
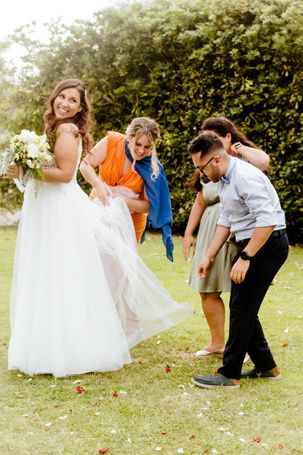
81 296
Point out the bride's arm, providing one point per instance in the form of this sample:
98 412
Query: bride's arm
66 155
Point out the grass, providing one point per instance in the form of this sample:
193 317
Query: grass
42 415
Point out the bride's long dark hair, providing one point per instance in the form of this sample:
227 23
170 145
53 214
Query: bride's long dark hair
83 119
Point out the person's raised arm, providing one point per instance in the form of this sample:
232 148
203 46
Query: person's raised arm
254 156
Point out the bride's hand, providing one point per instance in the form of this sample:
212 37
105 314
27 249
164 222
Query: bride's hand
12 172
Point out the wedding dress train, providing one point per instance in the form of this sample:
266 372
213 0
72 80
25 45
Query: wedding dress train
81 296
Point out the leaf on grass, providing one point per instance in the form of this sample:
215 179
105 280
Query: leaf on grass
164 433
167 369
285 345
103 450
115 395
192 436
280 446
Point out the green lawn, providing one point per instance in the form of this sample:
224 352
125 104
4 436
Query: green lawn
155 411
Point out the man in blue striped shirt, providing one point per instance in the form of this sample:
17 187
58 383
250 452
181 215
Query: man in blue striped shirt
249 209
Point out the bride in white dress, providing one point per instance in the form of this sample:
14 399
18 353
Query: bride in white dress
77 275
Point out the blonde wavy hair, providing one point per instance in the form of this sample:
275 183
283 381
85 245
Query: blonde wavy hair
148 126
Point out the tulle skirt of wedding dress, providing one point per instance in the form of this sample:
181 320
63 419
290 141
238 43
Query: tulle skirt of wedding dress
81 296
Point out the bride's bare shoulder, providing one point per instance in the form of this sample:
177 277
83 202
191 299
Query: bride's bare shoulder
70 128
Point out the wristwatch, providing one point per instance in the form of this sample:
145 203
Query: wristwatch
245 256
235 147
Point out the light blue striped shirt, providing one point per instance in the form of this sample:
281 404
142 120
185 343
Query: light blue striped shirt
248 200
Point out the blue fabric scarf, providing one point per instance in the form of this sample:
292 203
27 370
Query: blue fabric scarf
160 212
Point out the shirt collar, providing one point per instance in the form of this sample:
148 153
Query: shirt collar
227 176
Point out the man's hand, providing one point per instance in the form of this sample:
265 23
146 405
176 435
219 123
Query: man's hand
205 266
239 270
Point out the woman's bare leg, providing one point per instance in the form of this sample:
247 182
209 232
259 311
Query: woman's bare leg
214 311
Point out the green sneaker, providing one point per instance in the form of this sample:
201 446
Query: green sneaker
212 381
273 374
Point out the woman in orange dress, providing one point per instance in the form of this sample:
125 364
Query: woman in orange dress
129 169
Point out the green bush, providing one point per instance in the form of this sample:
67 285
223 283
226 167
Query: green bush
180 62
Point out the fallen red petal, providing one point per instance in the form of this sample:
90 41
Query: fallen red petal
80 389
285 345
104 450
257 439
167 369
115 395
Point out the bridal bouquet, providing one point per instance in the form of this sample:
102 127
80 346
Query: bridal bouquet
28 151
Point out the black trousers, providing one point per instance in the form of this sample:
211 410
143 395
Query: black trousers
245 330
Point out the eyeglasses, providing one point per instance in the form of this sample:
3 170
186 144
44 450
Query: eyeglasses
201 168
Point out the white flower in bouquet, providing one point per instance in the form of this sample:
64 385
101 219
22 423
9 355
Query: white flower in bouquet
33 151
30 164
29 151
27 136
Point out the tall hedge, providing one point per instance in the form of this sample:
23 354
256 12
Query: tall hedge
180 62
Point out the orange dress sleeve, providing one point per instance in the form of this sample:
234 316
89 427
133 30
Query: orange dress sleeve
111 173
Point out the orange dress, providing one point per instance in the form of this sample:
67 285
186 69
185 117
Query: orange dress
110 172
